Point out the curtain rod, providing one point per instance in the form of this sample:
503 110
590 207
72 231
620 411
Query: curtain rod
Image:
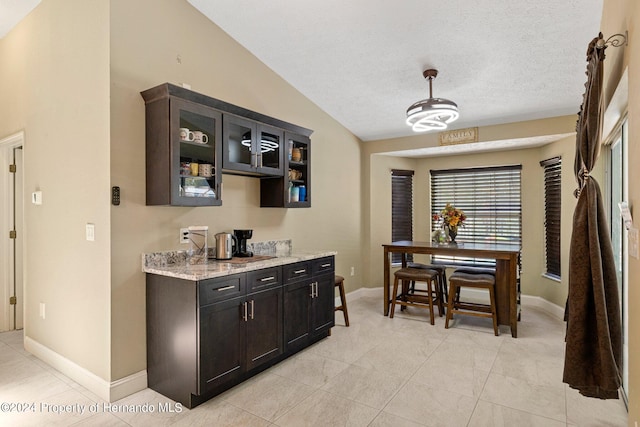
615 40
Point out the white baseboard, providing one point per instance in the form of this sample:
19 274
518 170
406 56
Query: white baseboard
473 295
108 391
541 303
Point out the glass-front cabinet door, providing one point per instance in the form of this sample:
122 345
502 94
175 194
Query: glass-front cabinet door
299 171
196 143
293 189
252 147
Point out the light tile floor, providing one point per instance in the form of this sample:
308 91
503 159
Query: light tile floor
378 372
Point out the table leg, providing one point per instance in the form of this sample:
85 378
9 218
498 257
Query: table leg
513 297
386 282
506 294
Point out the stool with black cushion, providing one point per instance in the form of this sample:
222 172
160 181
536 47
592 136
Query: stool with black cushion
474 270
460 280
339 283
442 277
418 298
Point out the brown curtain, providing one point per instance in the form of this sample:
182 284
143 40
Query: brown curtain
594 340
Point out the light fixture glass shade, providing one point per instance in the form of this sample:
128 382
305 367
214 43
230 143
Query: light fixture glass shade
431 114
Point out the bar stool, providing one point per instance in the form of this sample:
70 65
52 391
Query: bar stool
442 277
473 270
339 283
418 298
472 280
476 270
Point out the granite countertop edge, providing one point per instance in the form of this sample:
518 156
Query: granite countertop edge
215 268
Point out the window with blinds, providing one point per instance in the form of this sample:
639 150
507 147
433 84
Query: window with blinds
401 209
490 198
552 204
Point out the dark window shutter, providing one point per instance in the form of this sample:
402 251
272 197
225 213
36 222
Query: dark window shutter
401 209
552 212
490 198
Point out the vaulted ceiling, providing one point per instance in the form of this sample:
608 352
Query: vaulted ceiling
361 61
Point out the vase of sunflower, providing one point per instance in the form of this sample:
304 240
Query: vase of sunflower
452 218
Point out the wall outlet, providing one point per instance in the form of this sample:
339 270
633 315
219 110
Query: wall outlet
42 312
184 235
353 271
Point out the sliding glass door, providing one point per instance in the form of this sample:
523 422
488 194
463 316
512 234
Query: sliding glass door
616 187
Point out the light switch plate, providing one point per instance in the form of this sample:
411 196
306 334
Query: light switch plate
36 197
91 232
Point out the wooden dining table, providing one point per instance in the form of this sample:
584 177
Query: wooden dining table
505 254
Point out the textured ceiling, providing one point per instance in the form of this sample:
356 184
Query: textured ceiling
361 61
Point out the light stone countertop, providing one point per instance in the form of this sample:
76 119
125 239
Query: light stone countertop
213 268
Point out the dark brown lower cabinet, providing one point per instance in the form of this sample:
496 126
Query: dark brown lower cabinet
322 310
205 337
309 305
222 343
264 327
239 335
297 321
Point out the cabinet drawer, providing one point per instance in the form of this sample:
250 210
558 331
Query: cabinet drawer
264 279
221 288
295 272
323 265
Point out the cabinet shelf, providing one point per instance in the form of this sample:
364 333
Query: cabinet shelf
197 144
240 142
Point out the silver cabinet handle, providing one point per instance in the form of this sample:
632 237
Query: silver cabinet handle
300 271
266 279
260 157
251 302
312 290
316 289
325 265
244 316
226 288
254 160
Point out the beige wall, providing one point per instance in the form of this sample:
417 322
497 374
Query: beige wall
54 80
379 197
619 16
143 55
70 76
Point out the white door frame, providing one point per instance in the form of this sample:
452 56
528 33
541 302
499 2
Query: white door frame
7 273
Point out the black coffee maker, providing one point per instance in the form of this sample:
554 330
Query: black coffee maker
243 236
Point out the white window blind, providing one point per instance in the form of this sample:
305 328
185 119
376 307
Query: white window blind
490 197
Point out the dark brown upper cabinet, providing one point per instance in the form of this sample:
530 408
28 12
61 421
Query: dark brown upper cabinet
192 139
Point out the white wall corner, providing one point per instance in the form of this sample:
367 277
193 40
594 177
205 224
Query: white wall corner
105 390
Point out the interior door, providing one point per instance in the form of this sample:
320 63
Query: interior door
11 232
18 208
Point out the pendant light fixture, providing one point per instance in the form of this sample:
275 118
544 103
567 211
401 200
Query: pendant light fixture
433 113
